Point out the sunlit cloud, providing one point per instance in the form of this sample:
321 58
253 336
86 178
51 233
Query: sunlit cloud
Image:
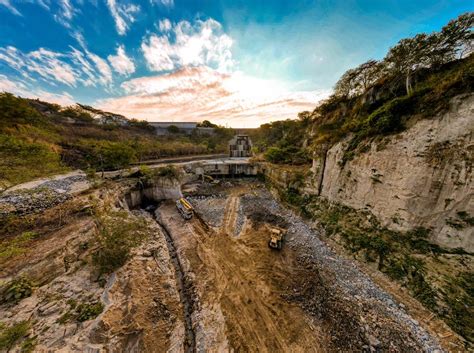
121 62
198 43
199 93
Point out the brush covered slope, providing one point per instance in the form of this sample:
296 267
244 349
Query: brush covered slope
39 139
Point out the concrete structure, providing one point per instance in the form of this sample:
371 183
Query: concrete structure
240 146
226 167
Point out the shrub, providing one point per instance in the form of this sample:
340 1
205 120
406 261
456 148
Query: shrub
118 234
17 290
11 335
87 311
276 155
168 172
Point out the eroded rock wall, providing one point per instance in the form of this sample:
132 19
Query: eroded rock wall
420 177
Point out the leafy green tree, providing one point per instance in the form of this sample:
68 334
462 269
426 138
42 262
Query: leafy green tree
408 55
206 123
458 36
347 84
173 129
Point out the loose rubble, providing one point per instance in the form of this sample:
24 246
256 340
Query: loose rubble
39 196
355 288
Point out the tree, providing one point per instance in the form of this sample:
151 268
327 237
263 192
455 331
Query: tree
173 129
367 74
305 118
356 81
458 37
408 55
346 86
206 123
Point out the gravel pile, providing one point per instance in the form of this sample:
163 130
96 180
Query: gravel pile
379 313
211 208
45 195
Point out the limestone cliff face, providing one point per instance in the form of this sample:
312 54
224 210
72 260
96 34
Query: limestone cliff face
421 177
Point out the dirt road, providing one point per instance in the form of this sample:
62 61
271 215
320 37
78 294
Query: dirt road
247 298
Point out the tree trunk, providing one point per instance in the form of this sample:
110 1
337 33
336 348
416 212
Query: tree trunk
408 82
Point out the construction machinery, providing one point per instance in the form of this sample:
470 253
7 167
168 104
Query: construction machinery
185 208
277 236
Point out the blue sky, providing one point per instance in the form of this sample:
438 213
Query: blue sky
239 63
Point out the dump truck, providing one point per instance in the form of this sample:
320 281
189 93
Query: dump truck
185 208
277 236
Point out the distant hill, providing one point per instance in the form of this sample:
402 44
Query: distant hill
39 138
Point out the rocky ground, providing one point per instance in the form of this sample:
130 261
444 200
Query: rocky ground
37 196
350 311
208 284
334 288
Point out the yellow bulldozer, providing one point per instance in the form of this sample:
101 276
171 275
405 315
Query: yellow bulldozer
277 235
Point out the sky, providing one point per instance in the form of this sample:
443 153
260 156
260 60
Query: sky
233 62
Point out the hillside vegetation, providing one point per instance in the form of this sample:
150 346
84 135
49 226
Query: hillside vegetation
416 79
40 139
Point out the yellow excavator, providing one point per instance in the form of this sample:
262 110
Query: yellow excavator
277 235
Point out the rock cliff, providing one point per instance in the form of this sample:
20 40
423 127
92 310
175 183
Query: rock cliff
421 177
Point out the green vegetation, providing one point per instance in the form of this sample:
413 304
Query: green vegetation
28 345
417 79
403 256
283 142
16 290
459 297
118 234
55 139
16 245
9 336
87 311
81 312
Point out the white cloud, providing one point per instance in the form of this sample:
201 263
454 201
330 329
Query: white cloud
121 62
48 64
79 38
69 68
105 73
10 7
201 43
165 3
164 25
20 89
200 93
66 13
123 15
